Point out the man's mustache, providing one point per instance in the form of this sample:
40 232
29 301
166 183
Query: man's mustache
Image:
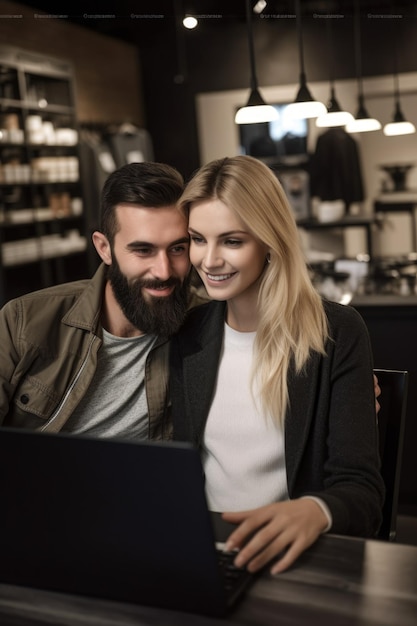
158 284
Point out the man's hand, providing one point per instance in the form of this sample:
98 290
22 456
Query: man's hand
283 528
377 390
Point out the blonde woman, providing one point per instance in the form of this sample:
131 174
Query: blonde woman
273 384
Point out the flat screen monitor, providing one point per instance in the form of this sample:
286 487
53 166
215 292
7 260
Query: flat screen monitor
278 141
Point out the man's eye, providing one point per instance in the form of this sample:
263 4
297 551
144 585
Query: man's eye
179 249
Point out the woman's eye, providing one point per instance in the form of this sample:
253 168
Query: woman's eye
196 239
233 242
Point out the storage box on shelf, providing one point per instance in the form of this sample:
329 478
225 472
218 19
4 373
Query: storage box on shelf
42 218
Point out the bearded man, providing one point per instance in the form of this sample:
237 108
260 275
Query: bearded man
89 357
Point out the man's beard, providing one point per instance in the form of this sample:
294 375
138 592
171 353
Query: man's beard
157 316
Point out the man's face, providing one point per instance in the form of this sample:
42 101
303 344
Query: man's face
149 266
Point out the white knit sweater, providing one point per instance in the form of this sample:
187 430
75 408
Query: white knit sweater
243 453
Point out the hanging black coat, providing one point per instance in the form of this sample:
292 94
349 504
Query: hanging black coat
335 172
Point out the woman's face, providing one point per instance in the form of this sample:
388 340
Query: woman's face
228 258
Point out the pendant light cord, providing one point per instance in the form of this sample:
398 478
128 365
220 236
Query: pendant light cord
300 38
329 33
253 77
396 78
358 51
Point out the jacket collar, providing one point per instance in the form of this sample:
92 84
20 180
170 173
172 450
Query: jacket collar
200 345
85 313
204 326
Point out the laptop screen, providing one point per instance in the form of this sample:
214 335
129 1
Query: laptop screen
114 519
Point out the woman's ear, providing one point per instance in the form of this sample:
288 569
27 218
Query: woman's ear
102 245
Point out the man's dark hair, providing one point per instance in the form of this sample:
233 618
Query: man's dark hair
148 184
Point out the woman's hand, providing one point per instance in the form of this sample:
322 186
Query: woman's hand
290 526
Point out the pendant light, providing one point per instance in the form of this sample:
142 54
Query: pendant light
190 22
363 122
304 105
335 115
256 110
399 125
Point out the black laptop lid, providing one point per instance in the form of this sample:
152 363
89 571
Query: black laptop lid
106 518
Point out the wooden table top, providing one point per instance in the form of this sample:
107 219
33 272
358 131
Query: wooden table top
340 581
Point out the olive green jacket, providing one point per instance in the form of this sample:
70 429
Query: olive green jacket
49 341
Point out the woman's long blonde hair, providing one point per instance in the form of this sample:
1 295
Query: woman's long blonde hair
292 321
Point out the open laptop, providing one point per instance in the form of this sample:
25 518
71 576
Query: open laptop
111 519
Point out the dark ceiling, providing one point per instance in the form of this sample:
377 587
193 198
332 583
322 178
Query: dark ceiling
138 22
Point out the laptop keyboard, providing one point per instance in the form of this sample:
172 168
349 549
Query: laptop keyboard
234 577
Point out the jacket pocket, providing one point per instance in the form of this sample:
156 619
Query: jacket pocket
35 398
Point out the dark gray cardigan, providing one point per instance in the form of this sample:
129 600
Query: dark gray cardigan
331 438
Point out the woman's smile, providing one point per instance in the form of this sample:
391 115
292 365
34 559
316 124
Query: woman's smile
219 278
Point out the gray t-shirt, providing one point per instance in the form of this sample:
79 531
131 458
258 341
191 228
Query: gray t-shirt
115 404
